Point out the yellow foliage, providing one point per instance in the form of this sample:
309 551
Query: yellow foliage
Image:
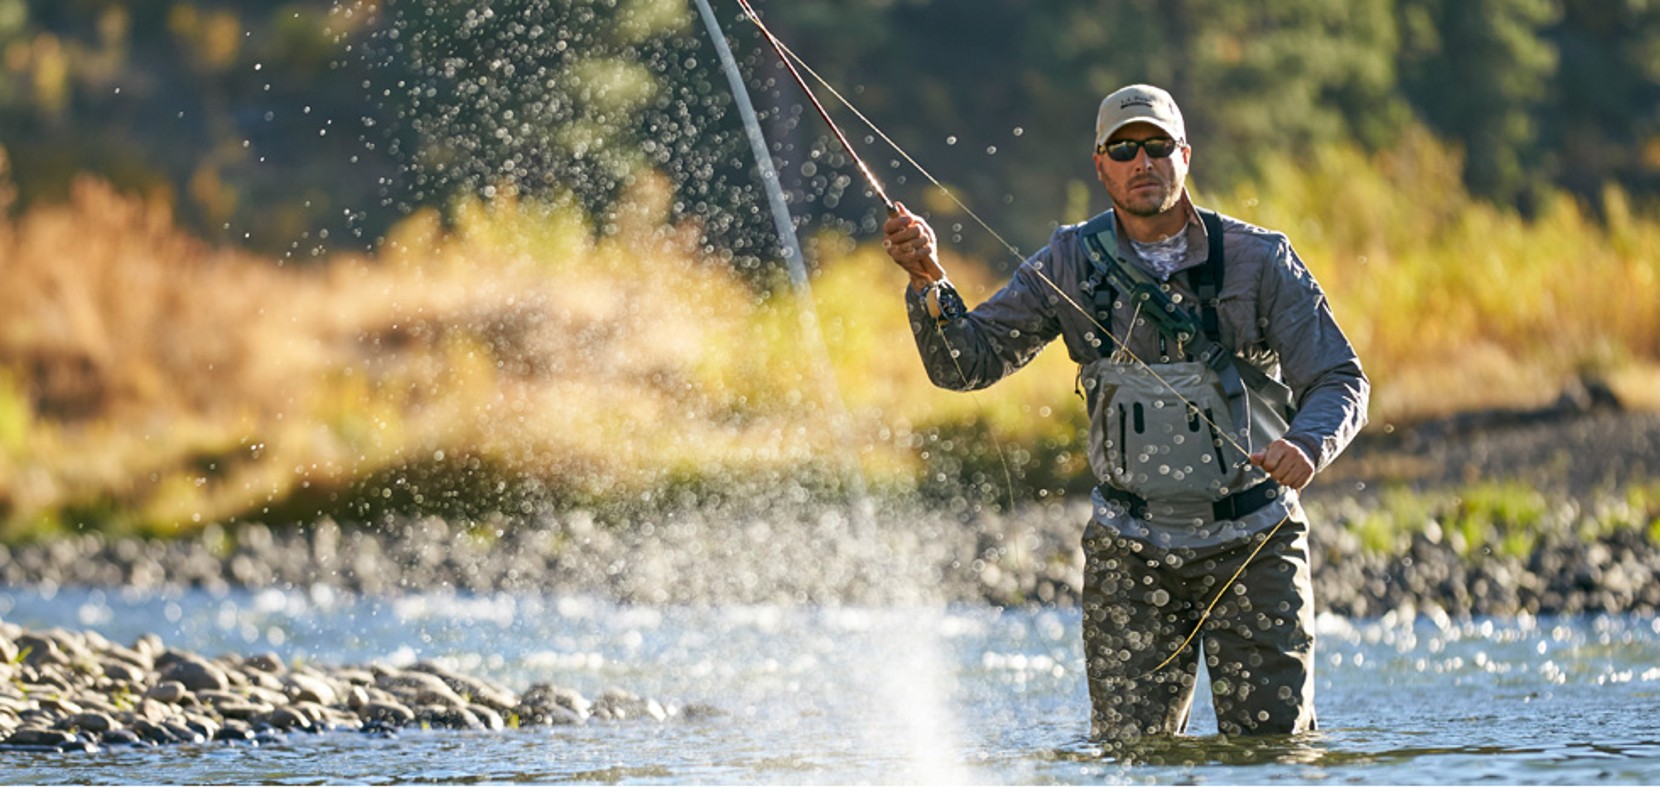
150 381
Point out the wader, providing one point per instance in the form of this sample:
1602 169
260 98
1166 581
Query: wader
1166 444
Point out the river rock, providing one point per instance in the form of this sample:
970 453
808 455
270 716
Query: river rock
121 671
394 714
121 736
38 650
287 718
122 654
183 733
489 717
206 726
418 689
265 663
619 704
242 710
448 717
41 737
95 722
196 673
545 695
168 691
235 730
305 687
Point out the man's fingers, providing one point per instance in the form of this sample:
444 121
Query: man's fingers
1285 464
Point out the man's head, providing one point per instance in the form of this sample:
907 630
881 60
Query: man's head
1141 150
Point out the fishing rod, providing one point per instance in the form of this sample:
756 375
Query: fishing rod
847 147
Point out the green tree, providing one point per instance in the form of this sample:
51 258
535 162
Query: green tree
1479 71
1602 123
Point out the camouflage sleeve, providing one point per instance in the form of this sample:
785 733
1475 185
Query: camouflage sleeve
965 350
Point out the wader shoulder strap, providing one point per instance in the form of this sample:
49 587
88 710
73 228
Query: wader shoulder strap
1110 279
1207 279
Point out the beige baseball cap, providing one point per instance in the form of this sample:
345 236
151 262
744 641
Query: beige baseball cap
1139 104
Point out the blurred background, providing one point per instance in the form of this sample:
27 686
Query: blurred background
273 260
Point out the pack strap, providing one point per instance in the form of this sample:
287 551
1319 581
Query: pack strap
1207 278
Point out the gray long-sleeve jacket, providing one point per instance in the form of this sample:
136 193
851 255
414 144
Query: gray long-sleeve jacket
1273 316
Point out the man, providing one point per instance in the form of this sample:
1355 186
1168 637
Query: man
1218 384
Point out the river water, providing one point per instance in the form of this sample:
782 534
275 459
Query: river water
813 695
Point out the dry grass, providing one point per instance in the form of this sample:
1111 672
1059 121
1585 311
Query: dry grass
149 382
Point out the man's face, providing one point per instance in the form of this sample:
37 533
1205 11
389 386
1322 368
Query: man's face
1143 186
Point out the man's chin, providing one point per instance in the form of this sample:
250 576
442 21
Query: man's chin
1145 209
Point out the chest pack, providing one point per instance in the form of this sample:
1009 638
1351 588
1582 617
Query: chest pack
1174 434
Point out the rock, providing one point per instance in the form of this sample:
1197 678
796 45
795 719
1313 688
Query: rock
618 704
301 686
543 695
489 717
183 733
354 676
58 706
543 713
288 718
41 737
242 710
114 653
94 722
420 689
121 736
235 730
265 663
272 697
356 697
195 673
168 691
701 711
38 650
206 726
121 671
150 646
448 717
394 714
478 691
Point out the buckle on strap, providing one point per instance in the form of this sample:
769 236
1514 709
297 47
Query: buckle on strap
1234 507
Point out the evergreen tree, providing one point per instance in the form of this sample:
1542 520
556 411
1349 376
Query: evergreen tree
1602 124
1479 71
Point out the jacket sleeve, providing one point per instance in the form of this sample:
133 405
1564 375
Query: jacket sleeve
966 351
1316 359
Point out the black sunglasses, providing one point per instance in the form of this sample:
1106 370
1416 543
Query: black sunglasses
1125 150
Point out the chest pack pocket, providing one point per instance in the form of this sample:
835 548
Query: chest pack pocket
1174 430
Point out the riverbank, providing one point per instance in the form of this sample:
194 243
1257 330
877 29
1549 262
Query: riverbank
1525 513
64 690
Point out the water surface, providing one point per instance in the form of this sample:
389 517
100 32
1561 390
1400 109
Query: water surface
905 695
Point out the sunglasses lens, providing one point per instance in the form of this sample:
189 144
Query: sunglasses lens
1159 149
1125 150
